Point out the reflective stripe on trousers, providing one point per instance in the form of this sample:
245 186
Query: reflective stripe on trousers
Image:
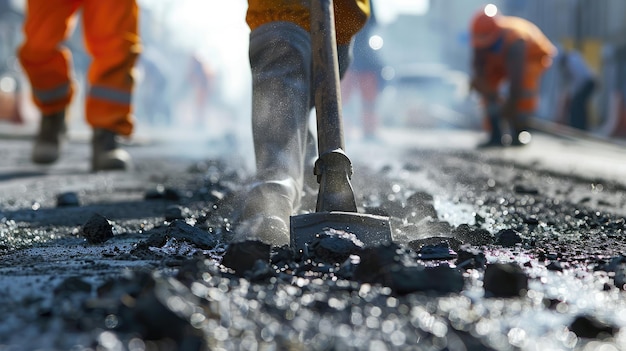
111 95
60 92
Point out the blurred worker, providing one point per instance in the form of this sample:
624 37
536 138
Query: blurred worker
281 60
511 49
112 40
201 77
11 20
363 76
580 83
152 93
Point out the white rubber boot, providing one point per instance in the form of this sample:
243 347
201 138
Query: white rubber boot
280 58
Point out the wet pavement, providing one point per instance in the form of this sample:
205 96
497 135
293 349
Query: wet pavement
497 249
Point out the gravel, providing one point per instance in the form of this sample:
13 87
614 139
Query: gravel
488 254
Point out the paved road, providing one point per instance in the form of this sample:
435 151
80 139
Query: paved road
29 215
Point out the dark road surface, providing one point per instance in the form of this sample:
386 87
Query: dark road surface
553 209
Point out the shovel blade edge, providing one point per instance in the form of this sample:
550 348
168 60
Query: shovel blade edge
370 229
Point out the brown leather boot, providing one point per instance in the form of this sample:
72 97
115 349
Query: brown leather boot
52 132
106 152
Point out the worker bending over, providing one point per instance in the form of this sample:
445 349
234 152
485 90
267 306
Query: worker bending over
512 50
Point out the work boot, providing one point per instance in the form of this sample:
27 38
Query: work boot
52 131
521 138
495 136
266 212
280 60
106 152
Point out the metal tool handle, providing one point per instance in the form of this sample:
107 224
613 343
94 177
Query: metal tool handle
326 77
333 168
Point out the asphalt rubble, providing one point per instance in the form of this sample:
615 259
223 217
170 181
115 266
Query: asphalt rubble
488 254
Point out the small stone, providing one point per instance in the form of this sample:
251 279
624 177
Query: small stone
335 246
505 280
508 238
532 220
242 256
440 279
67 199
445 245
555 266
525 189
470 257
174 212
589 327
180 231
375 263
620 277
97 229
162 193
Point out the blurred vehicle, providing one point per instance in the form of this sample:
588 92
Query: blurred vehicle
425 95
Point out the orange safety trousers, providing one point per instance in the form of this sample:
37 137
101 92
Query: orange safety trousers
350 15
529 100
112 40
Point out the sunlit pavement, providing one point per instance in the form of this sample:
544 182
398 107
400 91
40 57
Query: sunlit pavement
28 193
583 157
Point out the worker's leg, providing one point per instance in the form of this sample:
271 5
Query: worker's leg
280 58
112 39
47 64
526 106
368 82
493 110
580 106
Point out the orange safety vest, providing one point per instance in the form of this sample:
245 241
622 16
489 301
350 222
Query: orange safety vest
492 68
350 15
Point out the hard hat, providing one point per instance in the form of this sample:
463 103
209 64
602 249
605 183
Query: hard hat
484 27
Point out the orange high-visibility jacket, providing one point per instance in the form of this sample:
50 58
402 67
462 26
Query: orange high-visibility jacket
491 68
112 40
350 15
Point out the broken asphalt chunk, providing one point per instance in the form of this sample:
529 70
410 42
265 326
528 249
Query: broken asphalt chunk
334 246
67 199
508 238
441 279
241 257
182 231
470 257
162 193
383 265
505 280
525 189
591 328
435 248
142 305
97 229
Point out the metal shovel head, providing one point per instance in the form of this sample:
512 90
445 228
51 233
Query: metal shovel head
370 229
